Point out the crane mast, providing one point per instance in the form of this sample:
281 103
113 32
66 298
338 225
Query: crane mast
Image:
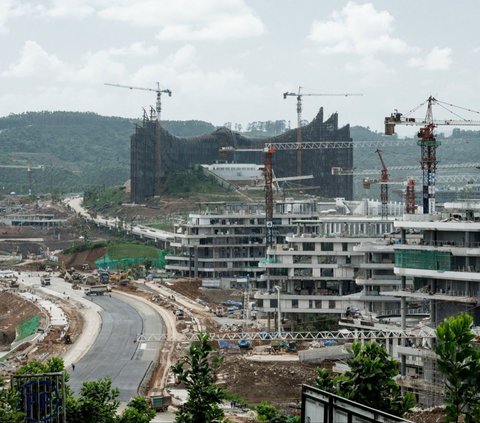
299 96
158 109
383 186
428 142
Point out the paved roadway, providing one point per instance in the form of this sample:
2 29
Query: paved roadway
114 353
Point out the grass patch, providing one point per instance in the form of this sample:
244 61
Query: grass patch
190 182
119 250
163 226
86 246
28 327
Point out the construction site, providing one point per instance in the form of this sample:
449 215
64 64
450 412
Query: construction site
283 285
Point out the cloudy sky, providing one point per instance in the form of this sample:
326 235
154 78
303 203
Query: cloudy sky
231 60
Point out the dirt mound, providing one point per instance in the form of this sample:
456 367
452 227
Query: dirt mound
278 382
76 260
192 288
13 310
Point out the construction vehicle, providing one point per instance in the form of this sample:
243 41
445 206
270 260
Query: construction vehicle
90 280
76 285
97 290
179 314
104 276
45 280
282 346
159 402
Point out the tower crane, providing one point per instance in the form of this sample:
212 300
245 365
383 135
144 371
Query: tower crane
383 185
299 96
427 141
341 171
158 109
29 172
159 92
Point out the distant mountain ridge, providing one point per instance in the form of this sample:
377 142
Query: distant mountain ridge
80 150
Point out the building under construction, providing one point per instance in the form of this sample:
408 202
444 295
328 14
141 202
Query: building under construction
156 153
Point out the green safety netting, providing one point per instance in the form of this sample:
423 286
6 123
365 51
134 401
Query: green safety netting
28 327
429 260
124 263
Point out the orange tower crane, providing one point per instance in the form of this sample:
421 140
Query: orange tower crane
383 185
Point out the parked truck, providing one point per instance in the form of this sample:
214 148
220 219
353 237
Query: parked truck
45 280
96 289
160 402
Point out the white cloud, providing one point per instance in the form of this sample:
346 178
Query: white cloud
368 65
5 9
357 28
70 8
437 59
93 66
10 9
184 56
34 60
187 19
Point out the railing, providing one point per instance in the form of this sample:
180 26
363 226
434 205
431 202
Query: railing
457 244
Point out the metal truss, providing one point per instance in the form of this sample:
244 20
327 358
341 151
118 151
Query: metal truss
366 335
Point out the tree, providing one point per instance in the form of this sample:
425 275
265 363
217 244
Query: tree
98 402
459 360
137 411
204 396
52 365
370 380
9 412
268 413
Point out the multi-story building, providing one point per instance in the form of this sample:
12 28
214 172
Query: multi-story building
443 259
444 265
227 240
329 265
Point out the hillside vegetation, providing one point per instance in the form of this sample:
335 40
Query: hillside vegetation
82 151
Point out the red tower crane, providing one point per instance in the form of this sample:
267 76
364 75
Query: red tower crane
428 142
383 185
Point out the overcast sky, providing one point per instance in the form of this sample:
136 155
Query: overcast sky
231 60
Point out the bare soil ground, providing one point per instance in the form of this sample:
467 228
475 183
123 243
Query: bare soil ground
13 310
275 382
85 257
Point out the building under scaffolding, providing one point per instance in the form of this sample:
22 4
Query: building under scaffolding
156 153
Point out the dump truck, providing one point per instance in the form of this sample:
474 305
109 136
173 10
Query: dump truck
45 280
160 402
96 290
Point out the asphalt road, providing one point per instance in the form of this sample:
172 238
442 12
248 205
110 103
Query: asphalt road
114 353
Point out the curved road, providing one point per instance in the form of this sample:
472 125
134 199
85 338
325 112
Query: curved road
114 353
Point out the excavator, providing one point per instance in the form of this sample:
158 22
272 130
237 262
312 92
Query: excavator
121 278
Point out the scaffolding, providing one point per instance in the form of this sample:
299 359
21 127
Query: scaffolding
419 259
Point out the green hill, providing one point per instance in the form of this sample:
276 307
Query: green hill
79 151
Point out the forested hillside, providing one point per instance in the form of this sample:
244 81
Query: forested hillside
78 151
